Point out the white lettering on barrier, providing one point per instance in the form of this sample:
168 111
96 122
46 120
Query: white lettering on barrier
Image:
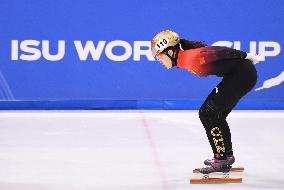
262 47
96 52
138 51
14 50
276 49
30 50
27 46
60 54
83 52
116 43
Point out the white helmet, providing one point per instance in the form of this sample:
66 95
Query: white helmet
163 40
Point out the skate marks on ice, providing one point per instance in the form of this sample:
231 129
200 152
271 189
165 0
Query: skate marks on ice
110 150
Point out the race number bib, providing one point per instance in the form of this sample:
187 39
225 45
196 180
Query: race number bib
162 44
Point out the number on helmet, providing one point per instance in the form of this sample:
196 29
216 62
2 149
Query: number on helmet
162 44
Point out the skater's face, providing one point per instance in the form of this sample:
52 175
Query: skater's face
165 60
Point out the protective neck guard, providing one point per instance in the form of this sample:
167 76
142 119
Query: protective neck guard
174 57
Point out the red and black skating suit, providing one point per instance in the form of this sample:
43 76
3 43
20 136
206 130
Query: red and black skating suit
239 77
210 60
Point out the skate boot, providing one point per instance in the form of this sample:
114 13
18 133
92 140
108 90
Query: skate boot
208 162
219 165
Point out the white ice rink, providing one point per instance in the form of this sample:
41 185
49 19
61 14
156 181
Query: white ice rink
132 150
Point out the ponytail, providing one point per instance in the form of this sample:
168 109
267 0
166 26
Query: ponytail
186 44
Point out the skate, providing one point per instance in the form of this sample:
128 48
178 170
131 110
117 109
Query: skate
217 166
209 162
233 169
223 166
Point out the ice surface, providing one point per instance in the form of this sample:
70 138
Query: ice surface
132 150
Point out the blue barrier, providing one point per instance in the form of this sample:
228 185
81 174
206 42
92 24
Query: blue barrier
94 55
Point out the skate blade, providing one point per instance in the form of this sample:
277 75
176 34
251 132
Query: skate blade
215 180
237 169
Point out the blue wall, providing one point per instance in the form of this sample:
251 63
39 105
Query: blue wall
122 73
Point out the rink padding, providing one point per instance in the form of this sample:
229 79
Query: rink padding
130 104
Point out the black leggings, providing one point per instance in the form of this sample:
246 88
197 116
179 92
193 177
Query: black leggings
220 103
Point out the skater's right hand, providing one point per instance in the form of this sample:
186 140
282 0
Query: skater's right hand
255 58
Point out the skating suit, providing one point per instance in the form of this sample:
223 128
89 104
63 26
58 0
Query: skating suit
239 77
